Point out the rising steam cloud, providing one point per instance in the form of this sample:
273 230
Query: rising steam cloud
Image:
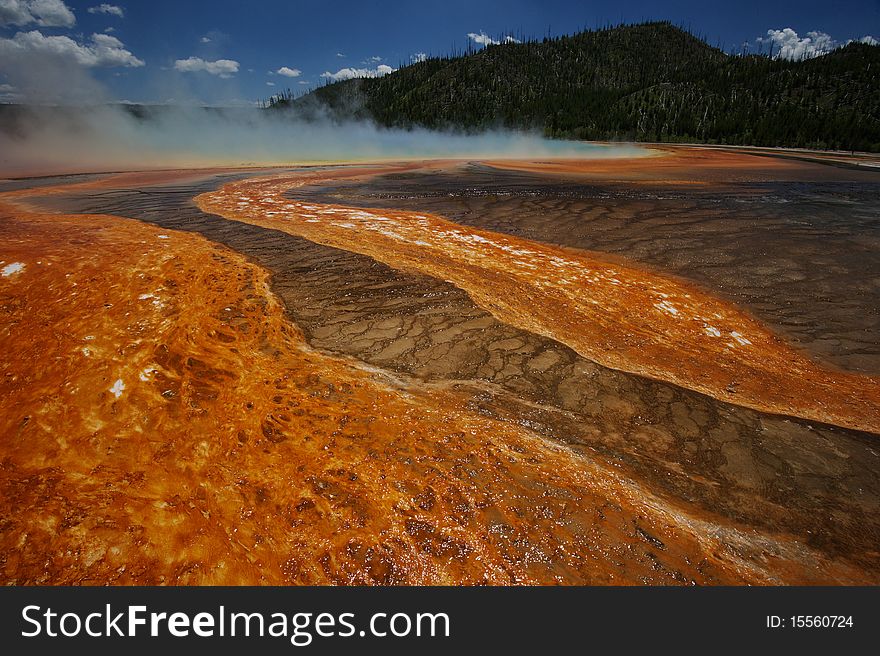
50 140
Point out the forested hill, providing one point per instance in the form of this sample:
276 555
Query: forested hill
648 82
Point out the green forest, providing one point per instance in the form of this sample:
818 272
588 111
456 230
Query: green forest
647 82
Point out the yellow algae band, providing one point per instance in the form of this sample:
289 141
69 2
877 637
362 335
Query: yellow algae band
616 314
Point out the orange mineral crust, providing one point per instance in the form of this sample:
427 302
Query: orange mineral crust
666 164
163 423
692 165
614 313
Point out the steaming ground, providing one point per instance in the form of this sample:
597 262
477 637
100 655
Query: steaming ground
48 140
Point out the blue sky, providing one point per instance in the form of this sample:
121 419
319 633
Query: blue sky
230 51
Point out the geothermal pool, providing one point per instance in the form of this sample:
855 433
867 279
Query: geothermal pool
652 370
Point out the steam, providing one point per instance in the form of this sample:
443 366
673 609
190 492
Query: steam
55 139
68 121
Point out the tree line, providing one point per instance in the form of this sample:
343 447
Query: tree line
646 82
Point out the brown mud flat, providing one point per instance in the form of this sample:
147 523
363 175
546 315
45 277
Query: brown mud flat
759 488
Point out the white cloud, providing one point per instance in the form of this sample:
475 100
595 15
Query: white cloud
108 30
15 12
270 84
375 59
9 93
205 39
223 67
482 39
289 72
109 51
339 54
869 40
6 89
104 8
418 57
104 50
304 82
48 13
349 73
786 43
